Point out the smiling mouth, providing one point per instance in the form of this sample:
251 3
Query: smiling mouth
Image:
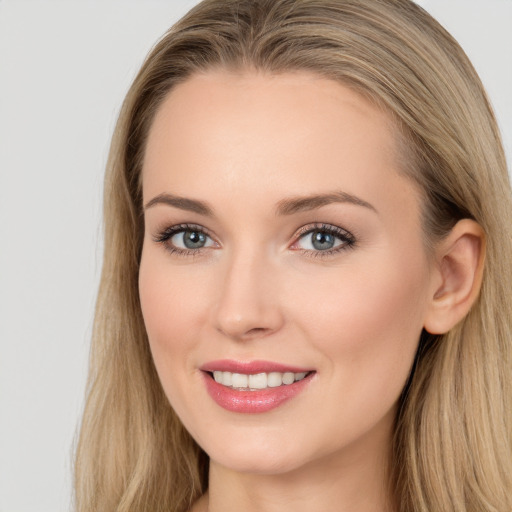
254 387
257 381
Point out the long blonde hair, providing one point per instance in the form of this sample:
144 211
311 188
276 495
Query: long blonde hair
452 447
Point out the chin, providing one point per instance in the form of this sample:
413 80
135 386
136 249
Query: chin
259 455
257 464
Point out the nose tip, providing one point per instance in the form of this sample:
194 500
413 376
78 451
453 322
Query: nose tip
240 328
247 318
247 307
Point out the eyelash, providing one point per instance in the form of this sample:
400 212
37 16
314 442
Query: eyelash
348 240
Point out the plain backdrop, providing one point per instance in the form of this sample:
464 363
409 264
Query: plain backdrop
64 69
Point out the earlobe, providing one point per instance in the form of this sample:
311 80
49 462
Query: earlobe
459 270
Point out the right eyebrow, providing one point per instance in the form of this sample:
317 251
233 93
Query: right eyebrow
183 203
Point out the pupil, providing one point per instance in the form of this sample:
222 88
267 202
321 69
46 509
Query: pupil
193 239
322 240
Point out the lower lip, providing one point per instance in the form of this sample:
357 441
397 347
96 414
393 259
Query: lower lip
261 400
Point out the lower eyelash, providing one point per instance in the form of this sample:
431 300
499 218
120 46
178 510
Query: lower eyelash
328 252
184 252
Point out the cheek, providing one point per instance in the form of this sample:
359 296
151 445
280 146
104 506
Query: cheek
171 308
369 321
367 329
170 301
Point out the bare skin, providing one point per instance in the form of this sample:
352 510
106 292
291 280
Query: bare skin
257 288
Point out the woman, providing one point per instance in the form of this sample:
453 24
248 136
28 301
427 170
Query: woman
305 297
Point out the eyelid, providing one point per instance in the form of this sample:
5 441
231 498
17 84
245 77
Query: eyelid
348 240
163 236
178 228
321 226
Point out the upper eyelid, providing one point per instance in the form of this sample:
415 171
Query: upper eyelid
180 228
325 227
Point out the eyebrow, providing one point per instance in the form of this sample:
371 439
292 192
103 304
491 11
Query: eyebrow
300 204
183 203
288 206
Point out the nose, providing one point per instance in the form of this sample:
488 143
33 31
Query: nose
248 307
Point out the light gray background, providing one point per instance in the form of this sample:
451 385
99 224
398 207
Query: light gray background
64 69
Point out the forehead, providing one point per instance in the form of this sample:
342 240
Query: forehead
255 135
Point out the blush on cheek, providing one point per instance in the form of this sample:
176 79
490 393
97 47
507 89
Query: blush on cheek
173 305
375 321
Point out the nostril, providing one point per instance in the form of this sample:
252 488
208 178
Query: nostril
257 330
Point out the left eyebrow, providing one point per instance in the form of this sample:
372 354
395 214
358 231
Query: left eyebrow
300 204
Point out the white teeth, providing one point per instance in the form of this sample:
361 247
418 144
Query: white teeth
288 378
258 380
275 379
227 378
239 380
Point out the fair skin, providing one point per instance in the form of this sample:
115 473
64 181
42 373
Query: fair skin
252 288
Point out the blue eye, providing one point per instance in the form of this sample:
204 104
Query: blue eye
318 240
190 239
324 240
184 239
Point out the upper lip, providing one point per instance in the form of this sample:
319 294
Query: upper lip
250 367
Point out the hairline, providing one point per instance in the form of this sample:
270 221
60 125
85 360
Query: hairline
404 148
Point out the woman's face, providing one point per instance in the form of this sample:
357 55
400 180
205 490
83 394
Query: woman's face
281 242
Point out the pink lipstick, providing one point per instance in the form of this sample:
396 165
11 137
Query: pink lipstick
255 386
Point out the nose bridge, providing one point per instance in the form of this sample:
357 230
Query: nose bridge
247 301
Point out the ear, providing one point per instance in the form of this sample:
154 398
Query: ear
459 263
